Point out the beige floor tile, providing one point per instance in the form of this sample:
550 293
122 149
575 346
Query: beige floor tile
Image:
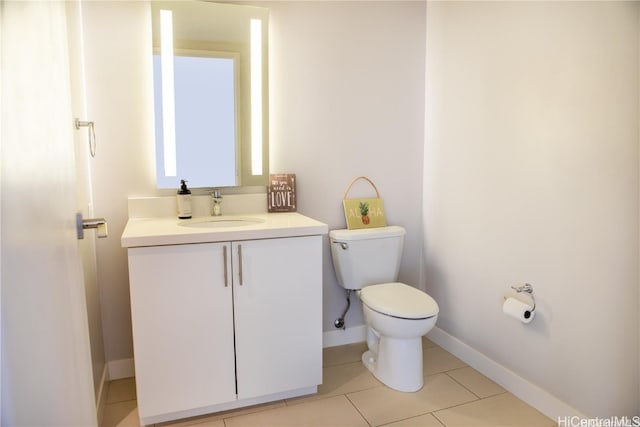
121 414
427 420
343 354
341 379
479 385
436 360
427 343
214 419
332 411
383 405
208 423
121 390
496 411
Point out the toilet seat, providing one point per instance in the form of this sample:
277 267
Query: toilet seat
399 300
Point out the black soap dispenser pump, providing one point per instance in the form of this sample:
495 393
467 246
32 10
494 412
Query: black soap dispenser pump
184 201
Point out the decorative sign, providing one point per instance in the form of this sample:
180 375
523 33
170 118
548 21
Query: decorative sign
281 194
363 212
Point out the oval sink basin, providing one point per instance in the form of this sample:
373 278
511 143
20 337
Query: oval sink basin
221 222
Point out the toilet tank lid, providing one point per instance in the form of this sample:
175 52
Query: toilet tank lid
399 300
366 233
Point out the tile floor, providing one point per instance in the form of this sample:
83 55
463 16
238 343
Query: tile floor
454 394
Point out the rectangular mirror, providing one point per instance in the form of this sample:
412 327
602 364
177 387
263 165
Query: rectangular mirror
210 64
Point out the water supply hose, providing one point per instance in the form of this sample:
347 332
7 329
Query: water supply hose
339 323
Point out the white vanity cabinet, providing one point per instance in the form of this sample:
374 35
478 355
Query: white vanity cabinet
227 324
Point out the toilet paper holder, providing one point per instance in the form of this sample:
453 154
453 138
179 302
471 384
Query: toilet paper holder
528 289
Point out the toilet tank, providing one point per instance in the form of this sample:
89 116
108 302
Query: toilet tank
367 256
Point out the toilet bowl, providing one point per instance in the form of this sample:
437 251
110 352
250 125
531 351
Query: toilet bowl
397 315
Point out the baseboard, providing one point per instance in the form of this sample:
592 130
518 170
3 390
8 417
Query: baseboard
123 368
344 336
530 393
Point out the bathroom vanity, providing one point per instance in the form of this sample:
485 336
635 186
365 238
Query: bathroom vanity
226 311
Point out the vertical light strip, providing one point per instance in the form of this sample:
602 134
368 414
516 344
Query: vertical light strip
256 97
168 97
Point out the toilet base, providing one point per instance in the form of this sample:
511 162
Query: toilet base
398 363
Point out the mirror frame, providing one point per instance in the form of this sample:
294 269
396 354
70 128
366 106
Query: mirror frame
193 14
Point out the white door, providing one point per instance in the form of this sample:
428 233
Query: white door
46 357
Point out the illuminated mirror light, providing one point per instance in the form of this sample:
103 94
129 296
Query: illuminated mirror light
168 98
256 97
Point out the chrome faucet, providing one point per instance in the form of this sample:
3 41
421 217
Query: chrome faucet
217 201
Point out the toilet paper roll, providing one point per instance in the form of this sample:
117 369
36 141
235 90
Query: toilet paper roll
518 310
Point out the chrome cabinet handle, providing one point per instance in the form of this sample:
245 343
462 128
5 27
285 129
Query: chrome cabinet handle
240 263
224 256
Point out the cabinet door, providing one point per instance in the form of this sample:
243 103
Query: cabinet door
182 327
278 314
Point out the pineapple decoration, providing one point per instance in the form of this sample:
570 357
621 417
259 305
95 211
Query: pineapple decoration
364 212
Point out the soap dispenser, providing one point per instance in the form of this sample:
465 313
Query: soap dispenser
217 199
184 201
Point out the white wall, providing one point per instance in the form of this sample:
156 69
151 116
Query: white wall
347 99
119 99
531 175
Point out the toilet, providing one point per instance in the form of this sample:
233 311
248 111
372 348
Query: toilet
397 315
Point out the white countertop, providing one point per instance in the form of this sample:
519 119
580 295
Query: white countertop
169 231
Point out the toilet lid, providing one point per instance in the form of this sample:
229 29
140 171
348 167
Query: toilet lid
399 300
